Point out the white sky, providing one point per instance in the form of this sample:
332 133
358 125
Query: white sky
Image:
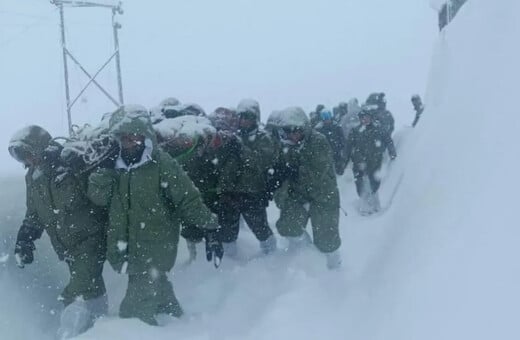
282 53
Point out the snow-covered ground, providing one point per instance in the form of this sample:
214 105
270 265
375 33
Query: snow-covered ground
441 263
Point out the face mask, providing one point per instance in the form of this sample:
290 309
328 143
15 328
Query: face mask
133 155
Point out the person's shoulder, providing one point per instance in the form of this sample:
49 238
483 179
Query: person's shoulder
166 161
318 137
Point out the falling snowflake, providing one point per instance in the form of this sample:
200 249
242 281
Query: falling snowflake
122 245
154 273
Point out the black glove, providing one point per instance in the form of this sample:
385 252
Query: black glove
23 253
24 247
214 250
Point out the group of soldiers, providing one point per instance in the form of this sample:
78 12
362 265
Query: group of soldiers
127 190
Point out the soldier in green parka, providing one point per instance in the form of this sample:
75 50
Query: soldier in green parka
189 140
57 203
311 190
148 196
244 164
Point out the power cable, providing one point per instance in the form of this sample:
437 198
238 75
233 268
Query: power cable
20 14
22 32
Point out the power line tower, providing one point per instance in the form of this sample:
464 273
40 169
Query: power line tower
116 8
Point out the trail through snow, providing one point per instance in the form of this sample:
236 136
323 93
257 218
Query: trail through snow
441 263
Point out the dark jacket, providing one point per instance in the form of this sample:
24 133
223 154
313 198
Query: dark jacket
57 203
247 165
337 141
366 145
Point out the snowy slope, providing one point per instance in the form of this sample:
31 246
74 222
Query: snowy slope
442 263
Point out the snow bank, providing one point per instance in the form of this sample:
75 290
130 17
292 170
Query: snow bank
451 261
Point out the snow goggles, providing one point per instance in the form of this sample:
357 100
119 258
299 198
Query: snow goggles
292 129
247 115
21 152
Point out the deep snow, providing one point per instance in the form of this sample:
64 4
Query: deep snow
441 263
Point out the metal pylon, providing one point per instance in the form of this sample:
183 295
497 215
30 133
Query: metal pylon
116 9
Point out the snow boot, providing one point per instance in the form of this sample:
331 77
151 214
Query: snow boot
268 246
74 320
333 260
374 203
364 205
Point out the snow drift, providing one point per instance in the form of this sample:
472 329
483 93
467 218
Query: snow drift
441 263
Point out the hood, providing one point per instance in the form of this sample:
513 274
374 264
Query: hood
32 139
132 119
293 117
249 106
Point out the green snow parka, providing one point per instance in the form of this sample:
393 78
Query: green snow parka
56 199
313 162
147 202
248 170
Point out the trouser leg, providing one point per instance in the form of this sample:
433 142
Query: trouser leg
170 305
255 215
84 296
375 182
293 219
360 181
325 227
229 218
147 295
86 279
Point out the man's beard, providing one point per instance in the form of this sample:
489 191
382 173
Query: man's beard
134 155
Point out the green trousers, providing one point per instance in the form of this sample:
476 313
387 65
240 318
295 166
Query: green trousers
324 217
86 269
147 295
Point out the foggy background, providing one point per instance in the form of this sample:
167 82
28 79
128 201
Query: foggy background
213 53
